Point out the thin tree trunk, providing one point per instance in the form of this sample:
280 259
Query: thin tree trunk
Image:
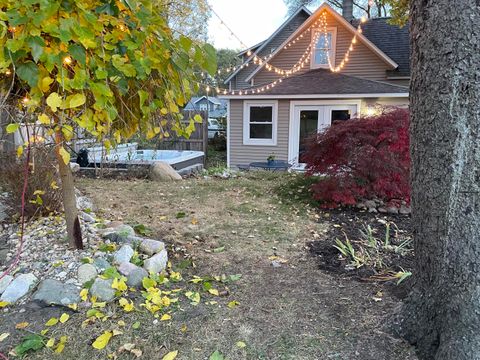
74 233
442 314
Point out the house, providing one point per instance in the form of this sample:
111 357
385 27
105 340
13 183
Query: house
217 108
315 70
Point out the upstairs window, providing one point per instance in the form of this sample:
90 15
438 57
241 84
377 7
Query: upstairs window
324 48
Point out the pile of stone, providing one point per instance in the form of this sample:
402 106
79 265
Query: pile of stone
51 273
393 207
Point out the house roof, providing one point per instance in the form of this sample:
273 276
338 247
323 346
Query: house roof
392 40
324 82
268 41
211 99
252 48
193 103
347 25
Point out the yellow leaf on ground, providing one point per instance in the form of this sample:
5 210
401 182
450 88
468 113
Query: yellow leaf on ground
127 305
51 322
65 155
171 355
116 332
64 318
102 340
50 343
22 325
54 101
84 294
233 304
3 304
61 344
165 317
4 336
213 292
241 344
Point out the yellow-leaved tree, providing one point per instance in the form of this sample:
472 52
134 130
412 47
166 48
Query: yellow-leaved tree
111 67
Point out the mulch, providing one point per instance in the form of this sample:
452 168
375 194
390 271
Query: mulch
348 223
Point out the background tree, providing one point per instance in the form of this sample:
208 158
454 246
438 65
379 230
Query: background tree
226 58
188 17
368 8
112 68
442 315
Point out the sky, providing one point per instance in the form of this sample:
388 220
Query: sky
251 20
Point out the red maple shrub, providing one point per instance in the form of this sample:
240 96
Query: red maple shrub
362 158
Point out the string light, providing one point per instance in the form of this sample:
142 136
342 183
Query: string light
8 72
321 23
67 60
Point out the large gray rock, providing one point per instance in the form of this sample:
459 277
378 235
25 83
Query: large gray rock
161 171
87 217
119 233
123 255
86 272
157 263
101 264
54 292
6 280
102 289
151 247
19 287
133 273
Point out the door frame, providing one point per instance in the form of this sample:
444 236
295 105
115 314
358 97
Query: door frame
294 124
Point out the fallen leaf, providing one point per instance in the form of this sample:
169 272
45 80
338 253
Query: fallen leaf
171 355
241 344
50 343
3 304
165 317
102 340
64 318
4 336
213 292
233 304
136 325
51 322
22 325
216 356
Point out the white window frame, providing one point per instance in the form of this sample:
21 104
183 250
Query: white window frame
332 30
246 123
203 107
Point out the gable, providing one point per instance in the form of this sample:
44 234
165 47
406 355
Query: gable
267 48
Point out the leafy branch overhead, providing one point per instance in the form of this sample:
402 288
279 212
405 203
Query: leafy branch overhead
112 68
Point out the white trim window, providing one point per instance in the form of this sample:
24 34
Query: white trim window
324 48
260 123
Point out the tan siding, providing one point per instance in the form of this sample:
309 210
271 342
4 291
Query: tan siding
244 154
363 62
272 45
400 102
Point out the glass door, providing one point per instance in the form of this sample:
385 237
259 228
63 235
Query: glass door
308 129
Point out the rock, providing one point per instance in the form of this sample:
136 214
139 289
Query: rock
118 234
19 287
370 204
84 203
74 167
87 217
382 210
372 210
102 289
136 277
276 264
161 171
101 264
156 263
123 255
6 280
86 272
133 273
405 210
392 210
151 247
62 275
54 292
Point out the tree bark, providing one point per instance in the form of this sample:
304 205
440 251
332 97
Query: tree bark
74 233
442 314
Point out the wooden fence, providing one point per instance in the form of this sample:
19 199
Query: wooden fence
197 141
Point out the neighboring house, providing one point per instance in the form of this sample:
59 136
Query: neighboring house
217 108
265 119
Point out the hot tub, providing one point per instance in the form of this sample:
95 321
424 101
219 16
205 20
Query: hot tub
126 155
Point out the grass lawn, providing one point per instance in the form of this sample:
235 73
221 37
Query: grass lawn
238 226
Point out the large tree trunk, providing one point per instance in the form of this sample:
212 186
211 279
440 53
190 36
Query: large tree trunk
442 315
74 232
